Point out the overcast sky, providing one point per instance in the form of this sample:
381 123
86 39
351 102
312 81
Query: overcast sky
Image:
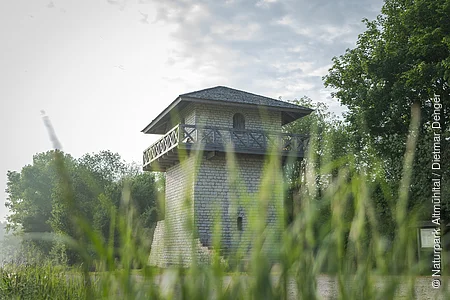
103 69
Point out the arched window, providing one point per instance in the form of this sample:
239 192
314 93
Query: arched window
238 121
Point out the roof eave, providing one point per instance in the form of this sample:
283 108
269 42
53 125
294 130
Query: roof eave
161 115
293 116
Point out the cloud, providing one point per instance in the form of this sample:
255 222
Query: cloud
266 46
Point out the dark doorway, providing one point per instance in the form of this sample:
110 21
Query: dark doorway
239 223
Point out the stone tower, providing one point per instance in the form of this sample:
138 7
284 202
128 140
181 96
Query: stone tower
198 129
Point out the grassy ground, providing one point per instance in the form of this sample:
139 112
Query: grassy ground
336 231
46 282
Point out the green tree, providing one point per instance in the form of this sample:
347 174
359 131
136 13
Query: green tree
30 196
401 59
9 244
332 141
106 166
145 198
57 192
336 151
2 230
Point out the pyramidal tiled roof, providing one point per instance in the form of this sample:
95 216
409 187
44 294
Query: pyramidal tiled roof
223 93
225 96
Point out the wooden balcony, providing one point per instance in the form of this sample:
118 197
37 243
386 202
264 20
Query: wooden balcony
165 151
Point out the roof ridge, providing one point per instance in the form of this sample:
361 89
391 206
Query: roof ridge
202 90
256 94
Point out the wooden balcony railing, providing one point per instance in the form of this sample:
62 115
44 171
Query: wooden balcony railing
211 138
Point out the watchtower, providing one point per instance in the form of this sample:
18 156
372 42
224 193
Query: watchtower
214 121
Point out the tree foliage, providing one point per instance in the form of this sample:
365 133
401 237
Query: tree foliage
334 150
38 199
403 58
332 142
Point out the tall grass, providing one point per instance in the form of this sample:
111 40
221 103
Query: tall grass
39 282
336 232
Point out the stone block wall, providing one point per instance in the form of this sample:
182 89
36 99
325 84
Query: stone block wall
160 257
219 196
179 212
189 114
212 196
158 252
222 116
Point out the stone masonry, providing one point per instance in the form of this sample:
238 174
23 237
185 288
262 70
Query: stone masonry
204 195
208 188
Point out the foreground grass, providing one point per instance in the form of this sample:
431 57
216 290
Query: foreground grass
49 282
335 232
39 282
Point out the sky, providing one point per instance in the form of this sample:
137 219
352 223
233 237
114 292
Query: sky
101 70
